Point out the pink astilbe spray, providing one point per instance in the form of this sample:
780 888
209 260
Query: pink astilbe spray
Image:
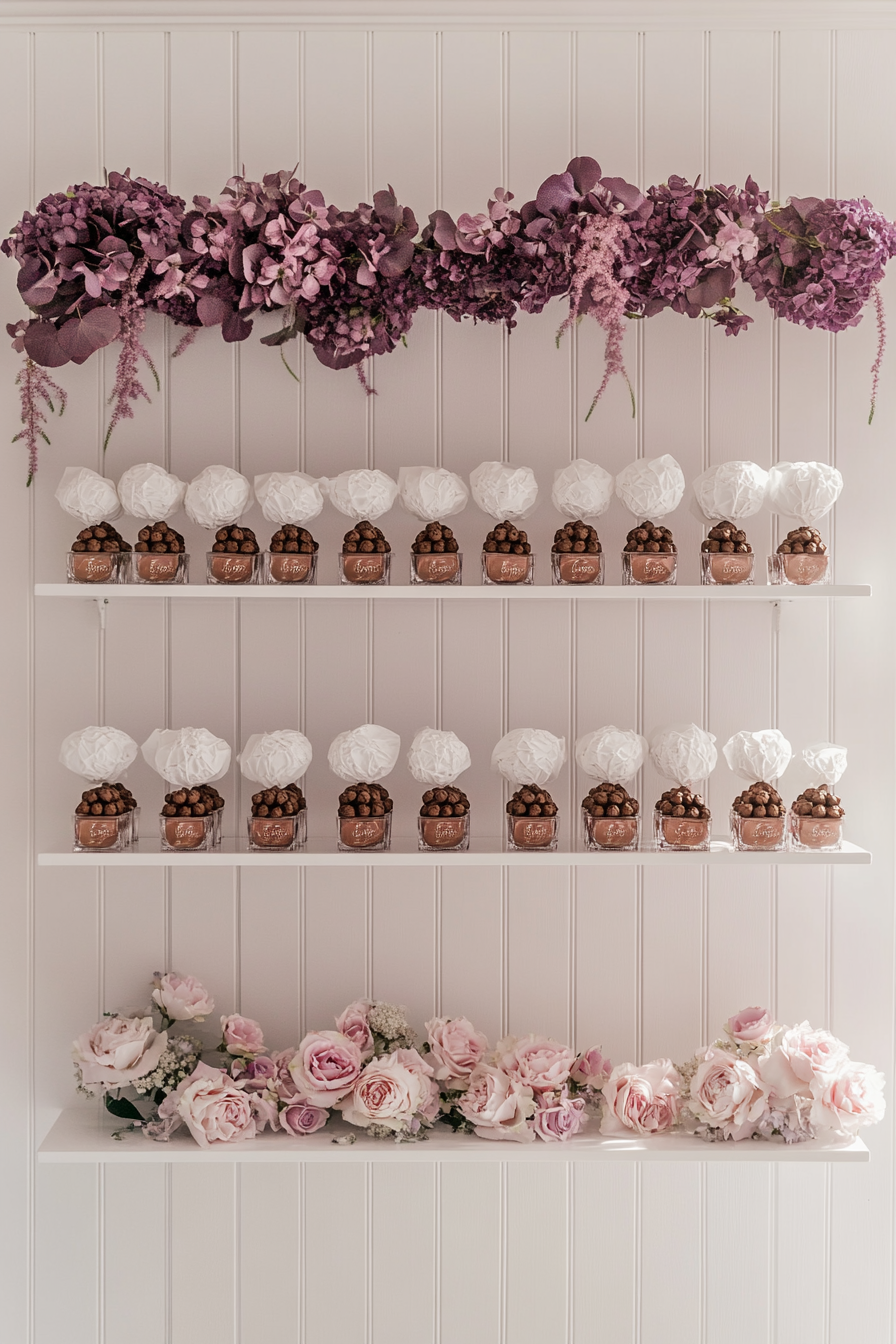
881 346
128 386
596 291
35 386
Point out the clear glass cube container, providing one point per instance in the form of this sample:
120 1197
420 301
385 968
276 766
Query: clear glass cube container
97 566
499 567
232 567
799 570
365 568
159 567
278 832
571 567
190 833
814 833
681 832
444 567
649 567
525 833
436 834
100 833
290 567
134 816
726 567
759 833
368 833
610 832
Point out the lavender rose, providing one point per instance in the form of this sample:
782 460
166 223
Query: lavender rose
299 1118
646 1099
117 1051
455 1048
325 1067
559 1117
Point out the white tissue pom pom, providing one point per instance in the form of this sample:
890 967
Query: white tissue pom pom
437 758
98 753
216 497
651 488
186 757
504 491
431 493
364 755
760 756
582 490
87 496
684 753
289 497
529 756
150 492
731 491
826 760
361 494
612 754
275 759
803 490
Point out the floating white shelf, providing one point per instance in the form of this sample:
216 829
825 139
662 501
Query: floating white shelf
425 592
488 852
84 1134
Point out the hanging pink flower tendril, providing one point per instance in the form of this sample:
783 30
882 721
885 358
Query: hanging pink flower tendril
35 386
596 291
881 346
128 387
185 342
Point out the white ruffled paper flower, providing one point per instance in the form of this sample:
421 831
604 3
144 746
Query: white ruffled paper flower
186 757
361 494
87 496
732 490
763 755
612 754
289 497
437 758
504 491
826 760
582 490
216 497
651 488
276 759
150 492
431 493
803 490
529 756
365 754
684 753
98 753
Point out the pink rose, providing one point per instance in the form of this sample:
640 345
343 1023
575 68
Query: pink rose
558 1117
264 1111
256 1075
456 1048
751 1025
394 1090
116 1051
242 1035
849 1099
727 1094
646 1100
352 1022
803 1056
591 1069
284 1083
325 1067
214 1108
498 1106
535 1061
299 1118
182 997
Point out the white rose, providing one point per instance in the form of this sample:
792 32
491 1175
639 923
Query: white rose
728 1094
498 1106
117 1051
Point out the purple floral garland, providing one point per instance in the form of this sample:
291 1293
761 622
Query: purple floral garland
95 259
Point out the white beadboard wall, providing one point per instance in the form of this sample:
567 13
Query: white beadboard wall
642 961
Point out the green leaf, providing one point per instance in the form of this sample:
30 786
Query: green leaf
125 1110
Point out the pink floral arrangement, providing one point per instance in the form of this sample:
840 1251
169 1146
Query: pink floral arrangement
759 1080
95 259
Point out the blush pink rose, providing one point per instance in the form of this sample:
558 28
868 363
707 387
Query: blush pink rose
803 1056
256 1075
591 1069
116 1051
849 1099
498 1106
535 1061
727 1094
214 1108
559 1117
751 1025
456 1049
299 1118
284 1083
182 997
394 1090
242 1035
352 1022
264 1111
325 1067
646 1099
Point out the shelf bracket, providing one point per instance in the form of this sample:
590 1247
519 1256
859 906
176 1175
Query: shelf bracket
101 605
777 608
